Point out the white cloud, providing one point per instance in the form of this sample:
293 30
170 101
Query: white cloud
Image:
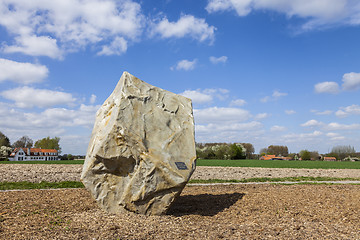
349 110
24 73
117 47
277 128
351 81
207 95
238 102
265 99
35 46
335 136
186 26
42 27
215 60
196 96
27 97
312 123
302 137
327 87
290 112
220 114
338 126
326 112
185 65
316 13
92 98
60 122
261 116
228 127
275 96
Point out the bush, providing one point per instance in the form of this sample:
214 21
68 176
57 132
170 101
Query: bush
220 151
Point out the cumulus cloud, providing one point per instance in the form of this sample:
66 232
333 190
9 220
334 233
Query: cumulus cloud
335 136
207 95
312 123
54 121
260 116
185 65
117 47
238 102
216 60
275 96
228 127
316 13
20 72
338 126
290 112
220 114
35 46
186 26
327 87
48 28
197 96
302 137
230 132
92 98
351 81
325 112
349 110
27 97
277 128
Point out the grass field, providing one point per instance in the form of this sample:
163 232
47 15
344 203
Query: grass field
278 164
44 162
236 163
76 184
41 185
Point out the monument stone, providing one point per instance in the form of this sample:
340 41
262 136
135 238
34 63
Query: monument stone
142 149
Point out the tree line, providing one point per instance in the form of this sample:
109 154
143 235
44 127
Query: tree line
340 152
224 150
246 151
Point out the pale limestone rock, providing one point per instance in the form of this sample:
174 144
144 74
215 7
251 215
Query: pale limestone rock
142 149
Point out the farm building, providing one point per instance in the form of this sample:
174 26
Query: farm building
329 159
267 157
33 154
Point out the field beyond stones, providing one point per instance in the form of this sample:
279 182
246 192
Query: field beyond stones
253 211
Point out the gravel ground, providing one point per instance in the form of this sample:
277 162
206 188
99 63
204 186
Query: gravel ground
206 212
58 172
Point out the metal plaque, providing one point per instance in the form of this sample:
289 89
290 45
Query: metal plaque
181 165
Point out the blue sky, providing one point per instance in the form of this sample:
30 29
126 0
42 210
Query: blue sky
266 72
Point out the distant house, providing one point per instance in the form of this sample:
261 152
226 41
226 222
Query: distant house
329 158
267 157
273 157
34 154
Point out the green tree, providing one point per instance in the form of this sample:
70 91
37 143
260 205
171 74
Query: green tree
4 140
343 151
263 151
236 151
4 152
305 155
49 143
249 150
278 150
23 142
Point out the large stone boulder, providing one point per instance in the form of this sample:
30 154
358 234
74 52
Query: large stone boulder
142 149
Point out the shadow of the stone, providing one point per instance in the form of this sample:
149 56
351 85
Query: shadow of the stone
203 204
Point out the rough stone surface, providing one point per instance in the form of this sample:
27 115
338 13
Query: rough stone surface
142 150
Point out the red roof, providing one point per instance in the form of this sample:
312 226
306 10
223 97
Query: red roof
42 150
34 150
